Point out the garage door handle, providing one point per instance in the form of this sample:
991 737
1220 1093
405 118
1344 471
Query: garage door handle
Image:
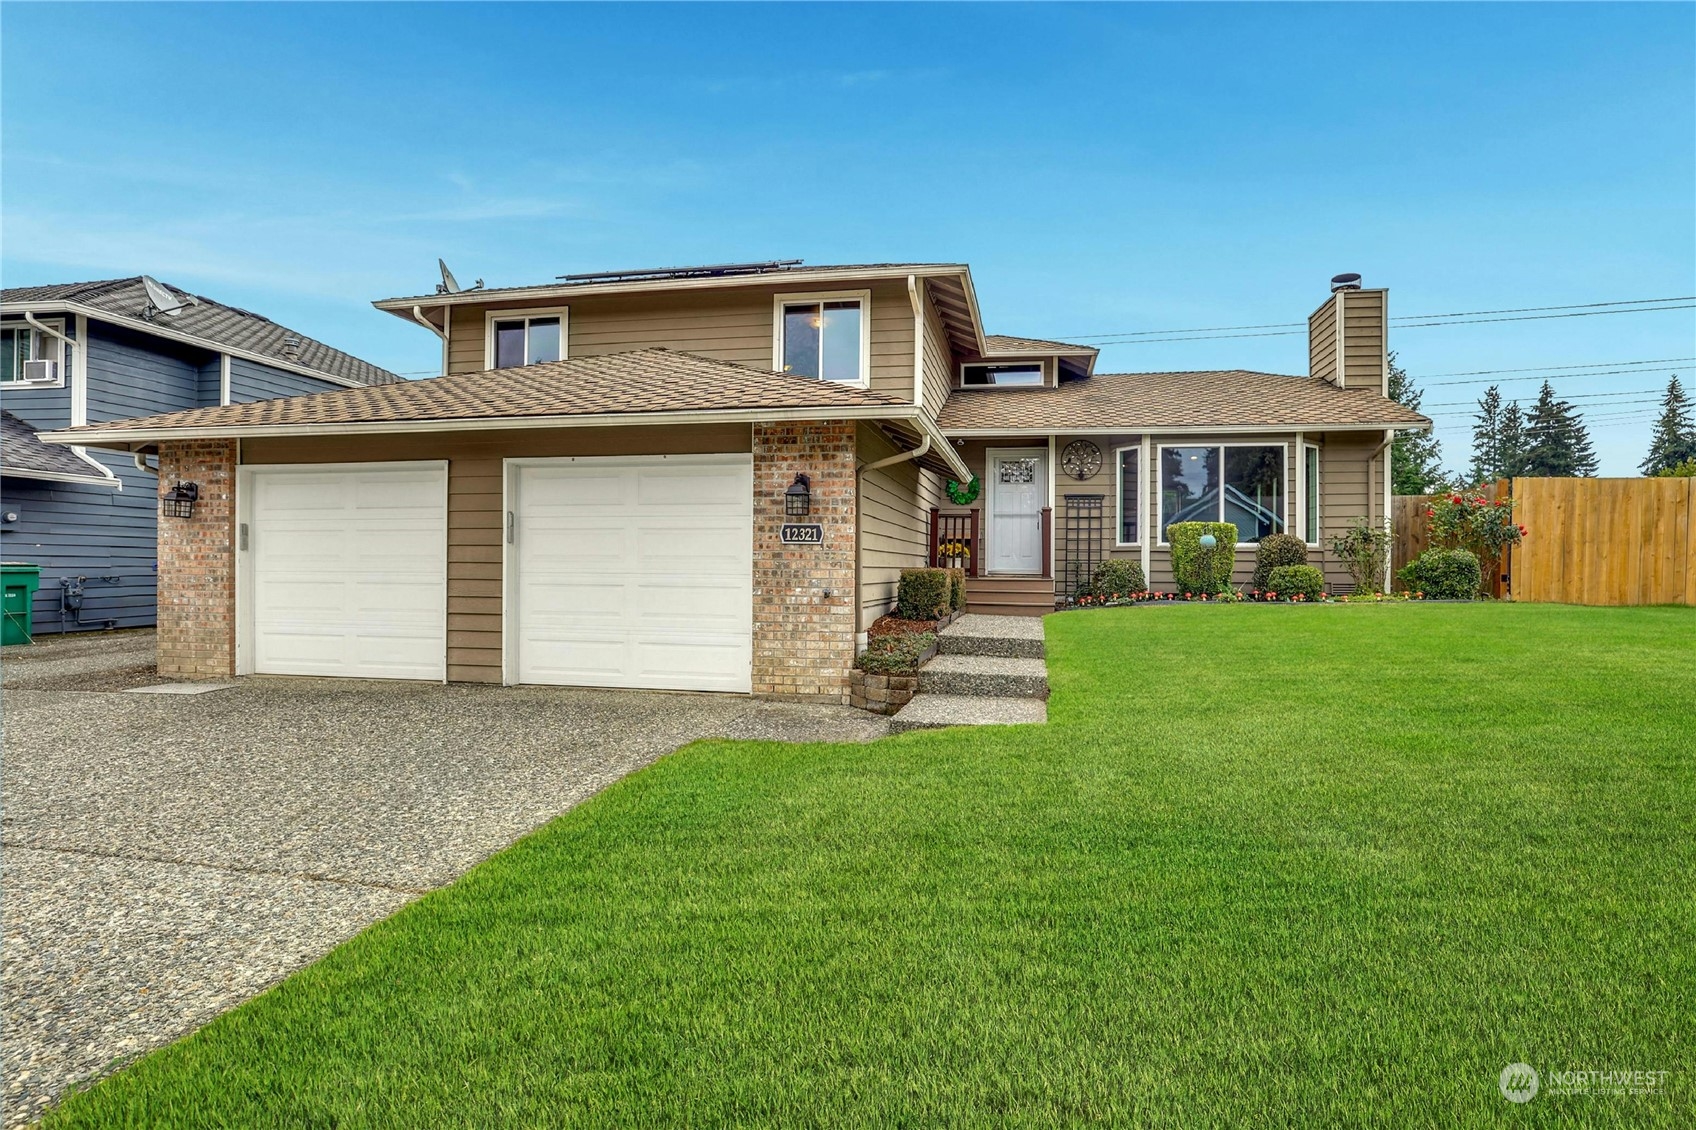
511 528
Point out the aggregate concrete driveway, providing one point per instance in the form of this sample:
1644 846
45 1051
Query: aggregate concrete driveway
167 856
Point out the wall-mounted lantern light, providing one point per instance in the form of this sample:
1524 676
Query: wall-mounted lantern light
798 499
178 502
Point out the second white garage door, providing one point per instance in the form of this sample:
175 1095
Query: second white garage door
633 572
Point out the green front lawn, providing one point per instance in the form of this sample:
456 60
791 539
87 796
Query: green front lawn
1265 866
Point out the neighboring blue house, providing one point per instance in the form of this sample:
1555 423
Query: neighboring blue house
81 353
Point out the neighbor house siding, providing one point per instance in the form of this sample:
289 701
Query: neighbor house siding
732 325
130 374
210 383
894 524
249 380
476 503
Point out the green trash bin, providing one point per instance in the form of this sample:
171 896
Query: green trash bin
21 581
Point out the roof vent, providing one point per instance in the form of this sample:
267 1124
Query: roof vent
1348 281
291 348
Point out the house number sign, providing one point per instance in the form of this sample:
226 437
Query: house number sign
791 533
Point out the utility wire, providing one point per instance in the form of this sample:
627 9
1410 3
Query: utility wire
1647 303
1574 396
1552 368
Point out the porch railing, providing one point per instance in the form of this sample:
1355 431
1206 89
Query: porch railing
954 540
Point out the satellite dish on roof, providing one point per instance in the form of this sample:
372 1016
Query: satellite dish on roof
449 284
160 300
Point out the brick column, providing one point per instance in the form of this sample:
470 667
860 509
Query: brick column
803 639
197 563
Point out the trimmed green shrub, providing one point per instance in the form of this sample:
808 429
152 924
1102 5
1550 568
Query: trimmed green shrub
1273 552
1365 552
956 589
1198 570
923 594
1289 581
1443 574
1117 577
897 654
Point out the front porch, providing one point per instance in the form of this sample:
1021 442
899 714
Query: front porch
957 541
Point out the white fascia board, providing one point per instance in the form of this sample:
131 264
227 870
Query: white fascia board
143 326
124 438
106 480
567 291
1186 430
939 442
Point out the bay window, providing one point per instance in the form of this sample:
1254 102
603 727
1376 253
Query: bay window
1238 483
827 336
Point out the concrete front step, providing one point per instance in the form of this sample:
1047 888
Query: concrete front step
987 676
933 711
1009 637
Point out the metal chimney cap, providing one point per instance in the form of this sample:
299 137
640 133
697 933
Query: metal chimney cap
1346 281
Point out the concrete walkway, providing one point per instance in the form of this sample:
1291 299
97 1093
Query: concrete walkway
168 856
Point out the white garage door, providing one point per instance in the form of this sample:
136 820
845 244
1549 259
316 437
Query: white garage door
349 570
634 573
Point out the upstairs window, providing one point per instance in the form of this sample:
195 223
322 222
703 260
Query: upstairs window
21 343
827 336
1024 374
525 338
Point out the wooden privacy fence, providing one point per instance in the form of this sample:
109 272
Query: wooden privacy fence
1591 541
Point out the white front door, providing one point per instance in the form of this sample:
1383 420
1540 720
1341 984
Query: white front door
1018 492
633 572
348 568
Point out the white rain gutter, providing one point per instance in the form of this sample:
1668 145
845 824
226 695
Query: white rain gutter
49 330
899 457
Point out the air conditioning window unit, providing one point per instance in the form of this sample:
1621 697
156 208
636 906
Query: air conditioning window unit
42 372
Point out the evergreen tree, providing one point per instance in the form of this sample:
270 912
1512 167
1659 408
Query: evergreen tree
1558 444
1674 438
1513 445
1416 459
1487 438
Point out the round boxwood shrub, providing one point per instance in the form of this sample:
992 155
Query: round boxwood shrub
1201 570
1273 552
1116 577
1443 574
1290 581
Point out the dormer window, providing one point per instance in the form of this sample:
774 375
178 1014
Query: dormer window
525 337
827 336
1020 374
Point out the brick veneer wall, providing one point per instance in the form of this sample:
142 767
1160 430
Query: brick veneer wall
197 563
804 640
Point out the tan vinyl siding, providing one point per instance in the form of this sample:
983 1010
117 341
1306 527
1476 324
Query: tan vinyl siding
1322 341
729 325
938 362
1363 339
476 503
1346 467
894 524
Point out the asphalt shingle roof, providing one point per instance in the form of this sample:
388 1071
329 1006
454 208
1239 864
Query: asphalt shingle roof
773 274
212 322
22 454
1004 343
1227 398
643 380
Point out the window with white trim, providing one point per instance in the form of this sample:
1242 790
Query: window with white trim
1024 374
1310 504
1130 495
522 337
21 343
827 336
1240 483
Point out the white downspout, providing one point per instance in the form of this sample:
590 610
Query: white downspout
918 341
77 382
899 457
439 331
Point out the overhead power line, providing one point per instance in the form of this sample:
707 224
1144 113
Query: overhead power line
1574 396
1404 321
1553 368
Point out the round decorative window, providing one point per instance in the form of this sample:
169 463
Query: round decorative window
1081 459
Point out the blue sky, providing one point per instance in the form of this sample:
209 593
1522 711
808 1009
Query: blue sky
1104 169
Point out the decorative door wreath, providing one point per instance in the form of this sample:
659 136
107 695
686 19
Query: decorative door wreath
965 495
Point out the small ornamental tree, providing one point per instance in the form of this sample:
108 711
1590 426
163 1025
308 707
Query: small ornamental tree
1472 522
1364 549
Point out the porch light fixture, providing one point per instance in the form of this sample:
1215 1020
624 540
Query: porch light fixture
798 499
178 502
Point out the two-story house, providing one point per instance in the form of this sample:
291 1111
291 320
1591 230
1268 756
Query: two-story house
710 478
73 354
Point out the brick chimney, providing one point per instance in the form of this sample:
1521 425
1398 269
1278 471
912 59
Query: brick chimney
1347 337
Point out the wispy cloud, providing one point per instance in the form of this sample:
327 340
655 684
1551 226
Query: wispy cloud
824 79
